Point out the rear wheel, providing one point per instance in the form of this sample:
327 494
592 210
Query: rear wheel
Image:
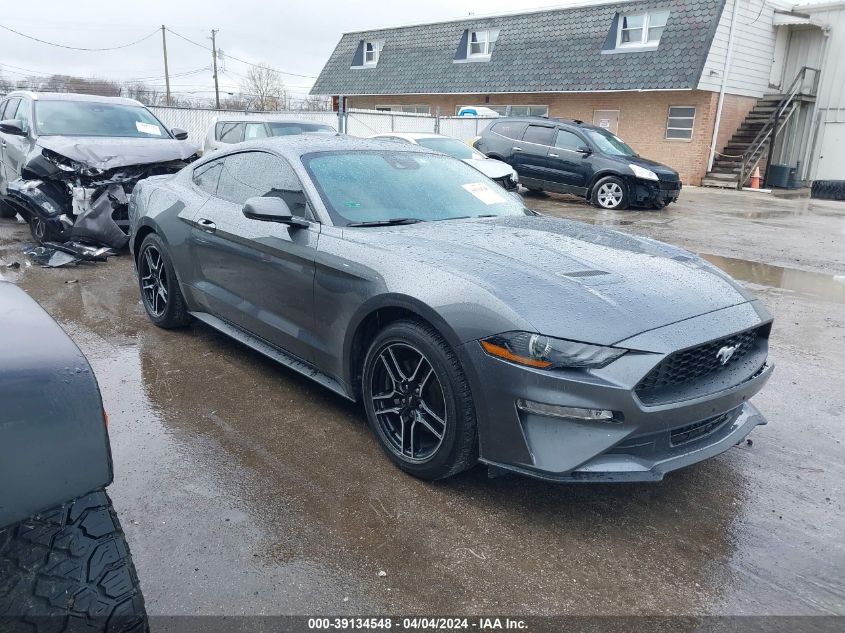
418 401
69 568
160 291
610 193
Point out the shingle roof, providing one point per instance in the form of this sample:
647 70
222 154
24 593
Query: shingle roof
542 51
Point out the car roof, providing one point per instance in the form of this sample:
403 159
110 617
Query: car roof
72 96
411 136
295 146
550 121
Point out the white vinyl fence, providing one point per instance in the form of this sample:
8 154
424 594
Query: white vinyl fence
357 122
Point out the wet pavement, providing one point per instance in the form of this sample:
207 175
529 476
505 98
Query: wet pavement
244 488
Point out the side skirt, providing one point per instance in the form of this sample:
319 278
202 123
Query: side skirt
272 352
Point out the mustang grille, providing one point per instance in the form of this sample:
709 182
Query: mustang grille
697 362
696 431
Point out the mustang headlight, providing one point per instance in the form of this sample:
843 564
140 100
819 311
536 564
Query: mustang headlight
544 352
642 172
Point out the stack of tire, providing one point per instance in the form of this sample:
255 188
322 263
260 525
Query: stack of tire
828 190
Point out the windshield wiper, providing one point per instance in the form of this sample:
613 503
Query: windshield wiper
390 222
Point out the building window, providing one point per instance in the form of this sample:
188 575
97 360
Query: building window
407 109
372 51
481 43
641 30
680 122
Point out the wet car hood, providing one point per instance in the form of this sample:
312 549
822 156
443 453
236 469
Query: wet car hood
108 153
568 279
657 168
490 167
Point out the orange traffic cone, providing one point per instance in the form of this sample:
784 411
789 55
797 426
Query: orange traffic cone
755 178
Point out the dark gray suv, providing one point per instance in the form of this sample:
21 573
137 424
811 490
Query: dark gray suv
588 161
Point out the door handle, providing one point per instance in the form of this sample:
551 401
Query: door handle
554 155
207 225
517 149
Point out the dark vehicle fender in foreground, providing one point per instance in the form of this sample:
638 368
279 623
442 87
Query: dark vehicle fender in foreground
53 439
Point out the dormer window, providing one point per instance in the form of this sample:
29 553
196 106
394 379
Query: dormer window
480 43
641 30
372 50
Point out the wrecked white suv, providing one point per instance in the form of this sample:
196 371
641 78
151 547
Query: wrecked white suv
68 162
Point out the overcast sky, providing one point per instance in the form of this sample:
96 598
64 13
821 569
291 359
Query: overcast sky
296 37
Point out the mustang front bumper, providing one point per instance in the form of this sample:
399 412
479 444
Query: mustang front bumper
643 441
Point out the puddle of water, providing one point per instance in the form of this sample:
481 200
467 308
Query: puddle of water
828 287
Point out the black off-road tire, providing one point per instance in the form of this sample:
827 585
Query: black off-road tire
611 181
69 569
176 313
459 449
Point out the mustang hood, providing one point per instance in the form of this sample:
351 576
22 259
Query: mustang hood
108 153
568 279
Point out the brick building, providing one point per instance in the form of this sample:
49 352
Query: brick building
668 76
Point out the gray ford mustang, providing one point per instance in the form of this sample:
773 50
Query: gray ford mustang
471 328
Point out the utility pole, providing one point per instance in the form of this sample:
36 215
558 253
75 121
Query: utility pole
166 72
214 61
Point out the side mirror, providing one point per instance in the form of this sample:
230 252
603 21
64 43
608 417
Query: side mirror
12 126
271 210
586 151
179 134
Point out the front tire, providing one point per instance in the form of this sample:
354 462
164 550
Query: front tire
610 193
159 287
418 401
70 567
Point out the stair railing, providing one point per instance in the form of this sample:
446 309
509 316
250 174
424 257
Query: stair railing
775 123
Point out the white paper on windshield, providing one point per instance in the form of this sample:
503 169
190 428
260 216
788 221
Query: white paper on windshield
147 128
483 192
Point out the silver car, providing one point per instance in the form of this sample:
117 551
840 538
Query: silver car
470 328
497 170
229 130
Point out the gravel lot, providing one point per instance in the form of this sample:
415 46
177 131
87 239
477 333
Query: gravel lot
244 488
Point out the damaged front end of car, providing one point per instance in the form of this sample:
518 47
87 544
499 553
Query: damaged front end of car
65 199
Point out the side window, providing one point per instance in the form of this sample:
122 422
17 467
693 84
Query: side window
24 115
254 131
539 134
509 129
207 175
230 132
258 174
568 140
10 109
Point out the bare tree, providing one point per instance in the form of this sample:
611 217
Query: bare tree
264 88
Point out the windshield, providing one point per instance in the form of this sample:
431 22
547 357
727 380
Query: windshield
451 146
609 143
289 129
87 118
372 186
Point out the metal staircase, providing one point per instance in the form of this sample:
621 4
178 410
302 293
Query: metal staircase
750 144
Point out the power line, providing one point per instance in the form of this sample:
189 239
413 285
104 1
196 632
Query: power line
237 59
77 48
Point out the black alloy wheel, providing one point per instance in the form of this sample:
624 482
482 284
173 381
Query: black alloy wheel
159 287
418 401
408 402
